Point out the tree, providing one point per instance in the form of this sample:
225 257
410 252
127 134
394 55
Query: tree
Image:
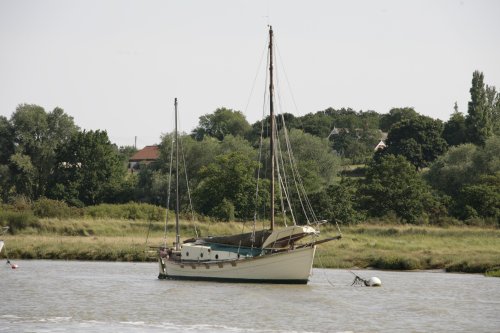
319 124
418 139
193 156
481 199
396 115
336 203
38 134
487 158
454 131
5 182
264 126
6 151
221 123
464 174
316 162
237 144
230 180
450 172
493 100
88 169
126 152
152 186
478 120
6 140
24 172
393 185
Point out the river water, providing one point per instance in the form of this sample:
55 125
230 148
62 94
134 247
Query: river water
75 296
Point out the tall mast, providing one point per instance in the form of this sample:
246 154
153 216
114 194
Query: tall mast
177 236
271 120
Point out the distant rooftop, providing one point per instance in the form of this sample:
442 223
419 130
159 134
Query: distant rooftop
148 153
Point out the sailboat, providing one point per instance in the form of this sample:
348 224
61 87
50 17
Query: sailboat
274 255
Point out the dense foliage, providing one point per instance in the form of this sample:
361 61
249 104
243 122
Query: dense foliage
418 140
429 172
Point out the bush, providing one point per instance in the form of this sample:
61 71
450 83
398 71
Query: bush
20 204
223 211
18 220
468 267
129 211
51 208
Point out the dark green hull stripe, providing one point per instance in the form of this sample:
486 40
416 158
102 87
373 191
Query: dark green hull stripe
215 279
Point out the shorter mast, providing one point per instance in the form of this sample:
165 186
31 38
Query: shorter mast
177 235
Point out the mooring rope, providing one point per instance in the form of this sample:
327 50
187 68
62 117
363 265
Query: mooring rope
324 271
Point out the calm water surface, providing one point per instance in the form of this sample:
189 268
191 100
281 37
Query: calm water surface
58 296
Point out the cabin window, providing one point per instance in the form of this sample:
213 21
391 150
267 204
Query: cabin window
201 255
216 256
187 254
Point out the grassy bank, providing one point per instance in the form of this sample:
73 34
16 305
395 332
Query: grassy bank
400 247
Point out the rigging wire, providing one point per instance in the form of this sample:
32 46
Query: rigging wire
188 190
169 190
301 194
293 166
261 142
281 62
255 78
284 188
283 184
292 162
324 270
284 179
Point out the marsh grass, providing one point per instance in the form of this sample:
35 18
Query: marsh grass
456 249
493 272
394 247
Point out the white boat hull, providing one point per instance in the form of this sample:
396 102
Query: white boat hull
293 266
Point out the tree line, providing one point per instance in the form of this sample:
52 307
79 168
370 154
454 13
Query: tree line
430 172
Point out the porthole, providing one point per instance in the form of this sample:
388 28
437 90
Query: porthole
187 254
216 256
201 255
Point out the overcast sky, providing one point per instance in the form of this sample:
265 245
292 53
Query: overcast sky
117 65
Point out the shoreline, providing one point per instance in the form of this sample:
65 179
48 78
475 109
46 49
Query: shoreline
364 246
434 270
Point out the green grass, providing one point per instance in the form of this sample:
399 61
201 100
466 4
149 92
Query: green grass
493 272
455 249
395 247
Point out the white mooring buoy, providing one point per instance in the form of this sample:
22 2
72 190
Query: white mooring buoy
371 282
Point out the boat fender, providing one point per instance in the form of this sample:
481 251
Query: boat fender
373 282
12 265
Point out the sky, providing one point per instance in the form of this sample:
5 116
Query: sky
117 65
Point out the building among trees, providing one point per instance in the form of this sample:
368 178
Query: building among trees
146 155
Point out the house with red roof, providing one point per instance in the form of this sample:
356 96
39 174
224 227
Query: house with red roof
146 155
